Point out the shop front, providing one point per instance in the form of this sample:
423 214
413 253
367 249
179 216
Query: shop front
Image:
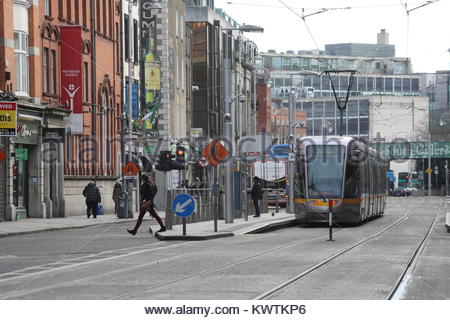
26 165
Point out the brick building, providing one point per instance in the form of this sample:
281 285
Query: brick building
94 151
66 142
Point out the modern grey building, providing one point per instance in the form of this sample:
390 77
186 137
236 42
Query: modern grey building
382 49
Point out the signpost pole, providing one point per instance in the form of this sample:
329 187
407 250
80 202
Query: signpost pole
429 163
184 226
446 177
330 220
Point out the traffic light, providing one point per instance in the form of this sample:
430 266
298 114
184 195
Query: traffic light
181 154
165 162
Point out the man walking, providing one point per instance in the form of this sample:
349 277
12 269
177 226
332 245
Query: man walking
93 198
257 195
148 193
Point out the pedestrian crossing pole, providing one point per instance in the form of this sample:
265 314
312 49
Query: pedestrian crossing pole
330 219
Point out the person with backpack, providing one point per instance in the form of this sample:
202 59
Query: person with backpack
148 193
93 197
257 194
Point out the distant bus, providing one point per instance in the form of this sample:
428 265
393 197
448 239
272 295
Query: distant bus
403 178
416 181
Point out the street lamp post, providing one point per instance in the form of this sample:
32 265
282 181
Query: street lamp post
228 114
291 135
129 104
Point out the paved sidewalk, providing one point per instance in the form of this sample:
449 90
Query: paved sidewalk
194 231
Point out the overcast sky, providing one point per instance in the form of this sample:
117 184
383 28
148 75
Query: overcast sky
429 26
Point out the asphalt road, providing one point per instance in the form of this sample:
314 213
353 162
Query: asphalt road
105 262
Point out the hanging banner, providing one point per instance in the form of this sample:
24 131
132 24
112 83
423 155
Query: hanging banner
134 99
8 119
71 75
150 68
413 150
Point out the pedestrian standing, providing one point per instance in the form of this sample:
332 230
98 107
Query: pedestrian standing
148 193
92 194
257 194
215 191
115 196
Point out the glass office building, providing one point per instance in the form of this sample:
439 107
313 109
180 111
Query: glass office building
319 63
322 114
320 86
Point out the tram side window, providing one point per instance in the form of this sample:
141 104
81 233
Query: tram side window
299 180
352 181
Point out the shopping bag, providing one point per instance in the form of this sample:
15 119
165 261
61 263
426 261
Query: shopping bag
99 210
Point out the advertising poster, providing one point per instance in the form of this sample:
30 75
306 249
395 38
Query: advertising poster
8 119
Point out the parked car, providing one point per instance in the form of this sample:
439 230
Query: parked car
277 195
401 192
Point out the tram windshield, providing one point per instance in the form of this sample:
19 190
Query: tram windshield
325 165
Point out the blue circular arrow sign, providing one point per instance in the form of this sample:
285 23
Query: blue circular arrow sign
183 205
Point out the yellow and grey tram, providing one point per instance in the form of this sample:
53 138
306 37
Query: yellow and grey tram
342 170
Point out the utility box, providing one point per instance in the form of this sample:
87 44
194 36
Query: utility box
122 211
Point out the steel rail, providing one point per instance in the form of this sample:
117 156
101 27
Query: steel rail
287 283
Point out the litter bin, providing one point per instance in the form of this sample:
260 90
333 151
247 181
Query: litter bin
122 211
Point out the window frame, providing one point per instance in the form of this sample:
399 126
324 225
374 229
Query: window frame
22 66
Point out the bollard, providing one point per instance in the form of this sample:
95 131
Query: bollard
330 219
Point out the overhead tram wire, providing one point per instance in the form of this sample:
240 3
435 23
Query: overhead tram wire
405 6
307 27
251 4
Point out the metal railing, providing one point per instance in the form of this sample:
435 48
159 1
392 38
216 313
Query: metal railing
209 207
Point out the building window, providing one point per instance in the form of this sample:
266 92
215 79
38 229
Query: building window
69 10
53 72
135 41
77 12
85 81
60 8
104 17
118 45
99 23
84 8
21 62
111 19
47 8
127 40
45 68
49 71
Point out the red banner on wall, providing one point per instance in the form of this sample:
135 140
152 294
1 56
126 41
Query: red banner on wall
71 69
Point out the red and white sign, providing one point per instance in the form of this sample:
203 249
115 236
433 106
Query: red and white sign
203 162
71 74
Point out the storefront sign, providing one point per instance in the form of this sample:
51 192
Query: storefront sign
28 131
71 75
8 119
413 150
21 154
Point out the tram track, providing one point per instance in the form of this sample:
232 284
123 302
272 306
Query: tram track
324 262
403 280
285 284
264 295
25 275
